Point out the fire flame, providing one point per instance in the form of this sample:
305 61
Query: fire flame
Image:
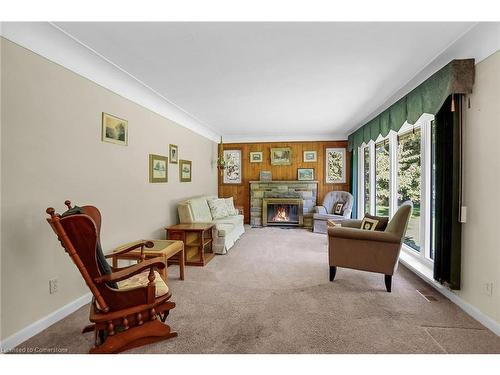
281 214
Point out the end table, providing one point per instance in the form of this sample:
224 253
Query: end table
197 238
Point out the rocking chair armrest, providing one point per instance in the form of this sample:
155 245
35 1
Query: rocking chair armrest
127 272
129 247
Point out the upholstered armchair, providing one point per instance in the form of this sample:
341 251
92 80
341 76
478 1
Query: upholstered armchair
349 246
326 210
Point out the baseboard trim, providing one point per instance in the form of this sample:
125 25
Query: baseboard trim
473 311
21 336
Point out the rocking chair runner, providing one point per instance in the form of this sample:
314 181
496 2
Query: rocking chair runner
123 317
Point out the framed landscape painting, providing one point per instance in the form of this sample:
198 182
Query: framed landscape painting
114 129
310 156
335 172
305 174
173 153
281 156
232 170
256 157
185 170
158 168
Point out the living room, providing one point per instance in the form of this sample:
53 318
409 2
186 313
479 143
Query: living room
246 188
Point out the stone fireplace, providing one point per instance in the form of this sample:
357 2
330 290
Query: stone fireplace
288 197
282 211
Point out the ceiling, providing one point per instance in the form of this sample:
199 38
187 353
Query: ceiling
259 81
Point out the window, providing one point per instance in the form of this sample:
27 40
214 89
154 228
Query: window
410 181
382 171
398 168
366 179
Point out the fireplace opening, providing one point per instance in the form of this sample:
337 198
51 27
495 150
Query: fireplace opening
283 213
279 211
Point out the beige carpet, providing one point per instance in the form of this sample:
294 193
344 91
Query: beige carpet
271 294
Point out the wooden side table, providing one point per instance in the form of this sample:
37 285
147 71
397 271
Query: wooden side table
197 238
162 248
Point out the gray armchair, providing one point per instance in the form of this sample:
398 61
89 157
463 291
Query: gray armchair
325 211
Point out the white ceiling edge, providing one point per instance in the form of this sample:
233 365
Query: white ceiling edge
480 42
283 138
45 39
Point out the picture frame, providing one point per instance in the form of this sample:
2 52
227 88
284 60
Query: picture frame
281 156
173 153
335 165
114 129
185 170
310 156
256 156
305 174
233 167
266 176
158 168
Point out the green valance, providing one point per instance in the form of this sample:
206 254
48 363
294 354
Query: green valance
455 78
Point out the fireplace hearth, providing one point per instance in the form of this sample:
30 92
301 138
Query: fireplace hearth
282 211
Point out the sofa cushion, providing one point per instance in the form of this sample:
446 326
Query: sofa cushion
328 216
200 210
218 208
223 229
230 206
235 220
141 280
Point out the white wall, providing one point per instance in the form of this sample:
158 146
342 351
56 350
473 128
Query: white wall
51 150
480 235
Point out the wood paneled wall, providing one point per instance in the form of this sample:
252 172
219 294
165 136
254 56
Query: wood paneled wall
251 171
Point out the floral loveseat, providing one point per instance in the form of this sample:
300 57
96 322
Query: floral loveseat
227 229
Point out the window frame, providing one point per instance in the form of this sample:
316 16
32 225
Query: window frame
424 123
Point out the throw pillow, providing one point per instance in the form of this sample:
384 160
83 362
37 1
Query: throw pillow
338 208
371 222
230 207
218 208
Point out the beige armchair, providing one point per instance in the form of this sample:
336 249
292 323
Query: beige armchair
349 246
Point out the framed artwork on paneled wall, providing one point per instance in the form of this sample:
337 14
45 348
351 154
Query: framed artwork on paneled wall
233 167
335 165
256 157
310 156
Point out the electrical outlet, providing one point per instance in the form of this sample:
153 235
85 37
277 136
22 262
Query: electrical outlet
53 286
488 289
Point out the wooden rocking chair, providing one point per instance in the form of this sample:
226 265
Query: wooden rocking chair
128 301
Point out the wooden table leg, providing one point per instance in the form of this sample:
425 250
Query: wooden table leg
202 248
181 263
164 271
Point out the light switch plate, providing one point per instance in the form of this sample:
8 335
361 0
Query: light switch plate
463 214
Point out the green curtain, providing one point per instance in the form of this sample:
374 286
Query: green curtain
455 78
446 154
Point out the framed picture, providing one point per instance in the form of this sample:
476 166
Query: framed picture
335 166
158 168
281 156
310 156
232 171
114 129
173 153
185 170
266 176
256 157
305 174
